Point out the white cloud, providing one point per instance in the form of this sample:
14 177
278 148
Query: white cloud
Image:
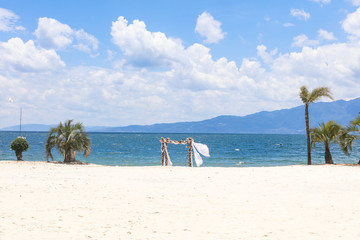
52 34
355 2
198 71
300 14
325 35
8 21
351 24
85 41
209 28
190 68
322 1
335 65
288 25
144 48
26 57
265 56
303 41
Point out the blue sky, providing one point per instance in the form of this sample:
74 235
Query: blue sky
116 63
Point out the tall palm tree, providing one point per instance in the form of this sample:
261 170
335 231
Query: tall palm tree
308 98
326 134
68 138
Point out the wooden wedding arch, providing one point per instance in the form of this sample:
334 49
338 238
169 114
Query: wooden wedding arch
164 151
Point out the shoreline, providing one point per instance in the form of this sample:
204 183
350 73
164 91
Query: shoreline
176 166
61 201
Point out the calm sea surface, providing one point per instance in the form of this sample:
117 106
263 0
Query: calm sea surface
226 150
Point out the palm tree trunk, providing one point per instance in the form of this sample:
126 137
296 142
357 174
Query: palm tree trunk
328 157
308 134
69 156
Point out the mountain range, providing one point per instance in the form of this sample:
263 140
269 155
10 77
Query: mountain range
283 121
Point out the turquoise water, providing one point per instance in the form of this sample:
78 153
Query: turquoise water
226 150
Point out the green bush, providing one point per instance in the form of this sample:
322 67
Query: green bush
19 145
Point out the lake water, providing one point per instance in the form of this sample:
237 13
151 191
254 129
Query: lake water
226 150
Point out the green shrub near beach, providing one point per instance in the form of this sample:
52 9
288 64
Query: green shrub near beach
19 145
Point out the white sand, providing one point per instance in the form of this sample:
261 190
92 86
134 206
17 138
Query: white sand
52 201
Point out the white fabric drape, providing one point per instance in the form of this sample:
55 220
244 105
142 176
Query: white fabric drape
168 157
198 158
202 149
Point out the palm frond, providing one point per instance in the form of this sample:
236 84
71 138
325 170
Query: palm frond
346 140
304 94
355 124
50 143
317 93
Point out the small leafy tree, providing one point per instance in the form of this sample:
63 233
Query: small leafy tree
19 145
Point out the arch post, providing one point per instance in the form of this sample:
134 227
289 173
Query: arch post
162 151
190 146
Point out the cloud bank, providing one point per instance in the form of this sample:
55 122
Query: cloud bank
157 78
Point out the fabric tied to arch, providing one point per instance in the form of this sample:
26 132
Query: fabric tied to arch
202 149
168 157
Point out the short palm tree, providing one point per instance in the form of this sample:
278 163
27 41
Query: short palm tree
308 98
68 138
348 136
355 124
328 133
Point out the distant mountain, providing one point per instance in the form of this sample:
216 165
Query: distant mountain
281 121
45 128
29 127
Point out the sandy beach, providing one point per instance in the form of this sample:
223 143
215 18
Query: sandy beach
41 200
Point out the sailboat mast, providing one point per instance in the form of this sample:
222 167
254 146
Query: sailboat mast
20 120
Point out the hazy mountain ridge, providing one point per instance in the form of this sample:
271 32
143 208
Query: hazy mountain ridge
280 121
